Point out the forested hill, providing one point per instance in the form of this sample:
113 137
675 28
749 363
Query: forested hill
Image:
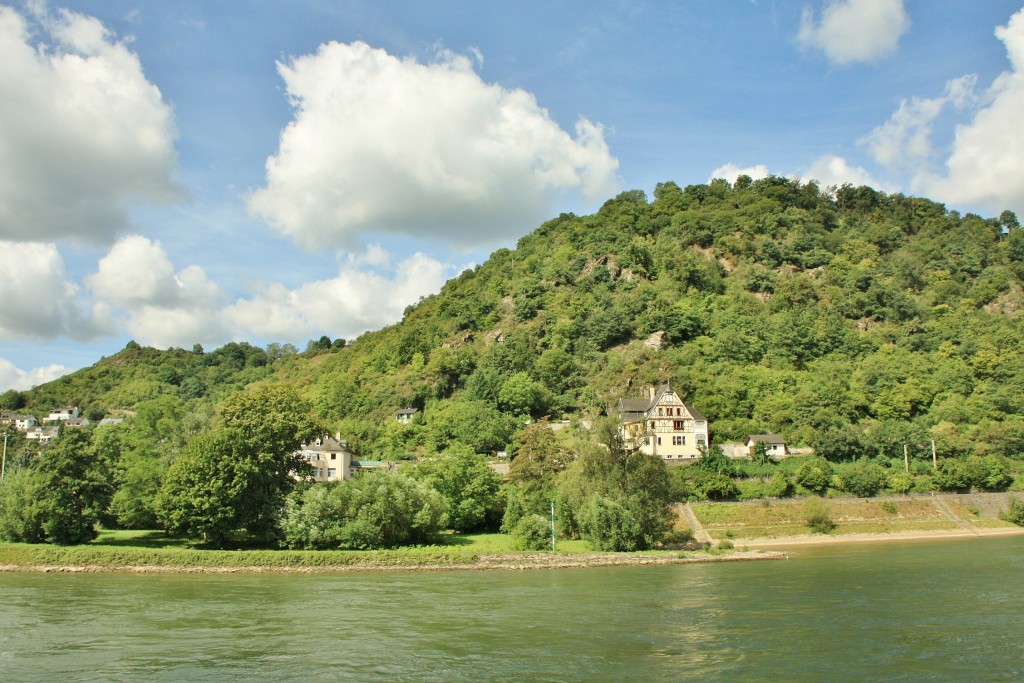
853 321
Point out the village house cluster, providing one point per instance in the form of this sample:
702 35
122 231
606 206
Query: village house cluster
49 429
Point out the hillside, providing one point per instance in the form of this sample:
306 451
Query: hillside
852 321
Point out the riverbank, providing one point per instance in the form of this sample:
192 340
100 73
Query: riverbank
93 560
781 523
898 536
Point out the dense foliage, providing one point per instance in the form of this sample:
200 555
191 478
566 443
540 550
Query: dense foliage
863 325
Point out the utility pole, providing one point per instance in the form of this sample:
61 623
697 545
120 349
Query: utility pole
906 458
552 527
935 459
3 464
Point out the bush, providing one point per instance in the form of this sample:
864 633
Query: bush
714 486
814 475
900 482
1015 515
818 516
863 479
375 510
532 532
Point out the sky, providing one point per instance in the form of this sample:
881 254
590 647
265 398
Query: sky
199 172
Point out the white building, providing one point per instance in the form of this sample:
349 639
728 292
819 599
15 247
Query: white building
662 424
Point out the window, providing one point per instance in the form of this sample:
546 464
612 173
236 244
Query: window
679 411
661 411
678 441
659 440
679 425
334 456
331 472
700 441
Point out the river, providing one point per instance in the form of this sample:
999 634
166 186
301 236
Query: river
918 611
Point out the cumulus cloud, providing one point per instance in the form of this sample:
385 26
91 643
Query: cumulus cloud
37 298
84 134
358 299
731 172
904 141
382 144
12 377
830 170
160 307
984 166
855 30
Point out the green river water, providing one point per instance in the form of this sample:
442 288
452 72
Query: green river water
924 611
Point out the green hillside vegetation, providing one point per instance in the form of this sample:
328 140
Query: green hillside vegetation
850 321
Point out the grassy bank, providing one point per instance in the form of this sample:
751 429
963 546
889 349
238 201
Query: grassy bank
895 515
152 551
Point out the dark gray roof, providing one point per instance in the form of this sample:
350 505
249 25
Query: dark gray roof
767 438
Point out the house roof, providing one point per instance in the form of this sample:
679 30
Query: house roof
407 411
328 444
767 438
632 409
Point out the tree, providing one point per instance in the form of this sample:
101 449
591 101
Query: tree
615 498
73 489
468 486
236 477
375 510
19 512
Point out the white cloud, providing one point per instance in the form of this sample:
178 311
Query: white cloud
135 270
381 144
37 299
12 377
347 305
731 172
984 166
84 133
855 30
904 141
162 308
830 170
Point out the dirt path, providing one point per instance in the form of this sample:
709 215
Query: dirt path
696 527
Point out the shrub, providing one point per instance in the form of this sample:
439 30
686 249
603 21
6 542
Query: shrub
889 507
900 482
818 516
714 486
375 510
814 475
863 479
1014 515
532 532
726 545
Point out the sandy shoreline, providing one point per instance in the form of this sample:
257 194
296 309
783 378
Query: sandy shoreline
487 561
841 539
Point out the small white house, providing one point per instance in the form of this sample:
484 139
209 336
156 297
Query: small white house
776 445
66 413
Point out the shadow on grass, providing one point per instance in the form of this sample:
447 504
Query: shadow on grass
140 539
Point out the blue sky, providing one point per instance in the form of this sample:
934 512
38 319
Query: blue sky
202 172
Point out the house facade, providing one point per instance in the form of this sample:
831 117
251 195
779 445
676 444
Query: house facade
775 445
662 424
65 413
405 415
330 459
43 435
